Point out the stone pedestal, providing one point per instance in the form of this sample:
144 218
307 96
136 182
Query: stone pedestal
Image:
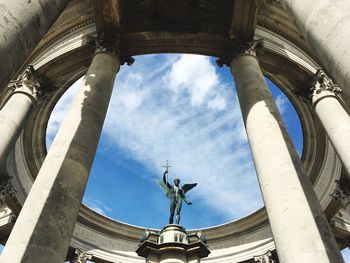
172 245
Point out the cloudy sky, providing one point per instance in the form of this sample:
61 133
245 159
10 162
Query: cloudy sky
184 109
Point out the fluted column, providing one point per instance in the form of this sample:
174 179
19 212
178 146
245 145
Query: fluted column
22 26
334 118
324 24
17 109
45 225
299 227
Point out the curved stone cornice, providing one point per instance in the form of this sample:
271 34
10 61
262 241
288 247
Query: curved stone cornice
245 234
63 57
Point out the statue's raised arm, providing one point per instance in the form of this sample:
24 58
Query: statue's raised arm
165 181
175 194
165 185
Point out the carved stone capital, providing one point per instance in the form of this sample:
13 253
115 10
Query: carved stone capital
6 189
265 258
341 194
28 83
80 256
103 45
323 87
320 87
248 48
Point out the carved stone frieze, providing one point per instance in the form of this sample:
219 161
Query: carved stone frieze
265 258
80 257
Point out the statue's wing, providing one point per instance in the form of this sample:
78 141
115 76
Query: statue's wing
165 188
188 187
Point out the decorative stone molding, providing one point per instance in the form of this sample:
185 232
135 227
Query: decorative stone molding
28 83
248 48
103 45
320 87
6 189
80 257
323 87
341 194
265 258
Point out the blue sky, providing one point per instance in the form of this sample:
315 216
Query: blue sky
184 109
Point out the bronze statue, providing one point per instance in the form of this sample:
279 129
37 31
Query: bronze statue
175 194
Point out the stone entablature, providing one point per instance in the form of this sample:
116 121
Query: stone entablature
115 242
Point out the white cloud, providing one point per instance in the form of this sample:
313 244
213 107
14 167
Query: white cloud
178 108
281 102
207 144
97 205
194 74
218 103
346 255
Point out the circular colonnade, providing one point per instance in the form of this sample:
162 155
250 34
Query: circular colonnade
65 56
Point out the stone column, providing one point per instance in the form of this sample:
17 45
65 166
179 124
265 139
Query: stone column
324 24
22 26
45 225
299 227
334 118
17 109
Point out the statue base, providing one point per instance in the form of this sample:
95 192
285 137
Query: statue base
172 244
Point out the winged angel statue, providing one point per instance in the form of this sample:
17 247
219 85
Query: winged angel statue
175 194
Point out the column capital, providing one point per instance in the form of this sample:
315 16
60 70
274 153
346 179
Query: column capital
28 83
267 257
341 194
103 45
80 256
248 48
320 86
6 189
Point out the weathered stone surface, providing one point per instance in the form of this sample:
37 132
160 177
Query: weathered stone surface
15 112
45 225
333 116
299 227
324 24
22 25
12 118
